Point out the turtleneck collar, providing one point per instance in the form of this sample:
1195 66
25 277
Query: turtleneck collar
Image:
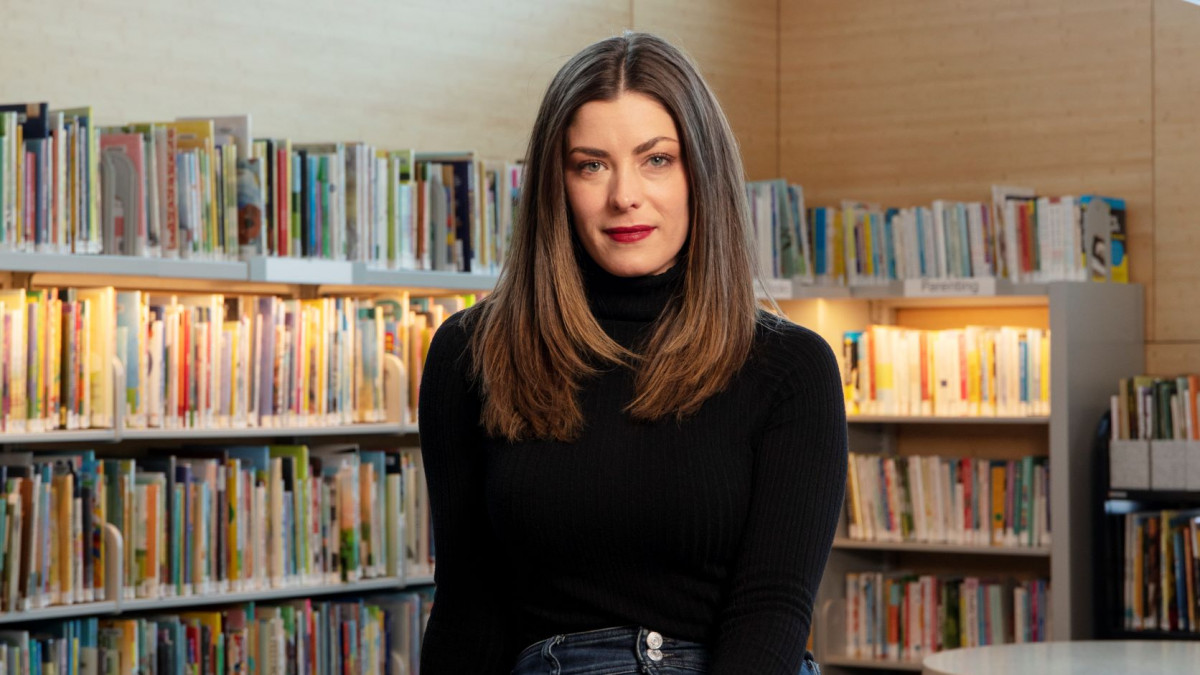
628 298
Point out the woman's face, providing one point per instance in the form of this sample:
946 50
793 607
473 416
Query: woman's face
626 184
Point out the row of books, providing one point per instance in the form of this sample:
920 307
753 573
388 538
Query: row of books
973 371
207 361
376 636
1160 559
205 188
208 520
940 500
1019 236
1158 408
900 616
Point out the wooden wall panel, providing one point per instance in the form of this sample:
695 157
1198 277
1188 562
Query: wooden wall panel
428 74
736 46
1173 358
906 102
973 440
1176 198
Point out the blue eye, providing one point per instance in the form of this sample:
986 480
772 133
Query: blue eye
590 167
659 161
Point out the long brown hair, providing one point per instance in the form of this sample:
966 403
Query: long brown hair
537 341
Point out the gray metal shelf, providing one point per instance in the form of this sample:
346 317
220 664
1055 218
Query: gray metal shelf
365 275
801 291
123 265
952 549
60 436
267 269
895 290
59 613
381 428
110 607
974 419
307 271
272 594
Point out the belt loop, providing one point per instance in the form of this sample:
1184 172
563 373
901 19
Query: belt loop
639 648
548 652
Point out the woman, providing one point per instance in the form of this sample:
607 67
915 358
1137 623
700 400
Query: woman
629 464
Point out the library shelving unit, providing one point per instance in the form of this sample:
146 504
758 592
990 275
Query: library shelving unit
284 277
119 604
1095 338
1112 504
1111 570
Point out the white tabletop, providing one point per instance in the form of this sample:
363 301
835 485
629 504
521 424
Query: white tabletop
1130 657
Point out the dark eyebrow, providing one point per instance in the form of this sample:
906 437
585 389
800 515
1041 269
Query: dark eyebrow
590 152
651 143
596 152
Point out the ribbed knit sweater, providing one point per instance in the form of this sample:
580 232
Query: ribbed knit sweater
715 529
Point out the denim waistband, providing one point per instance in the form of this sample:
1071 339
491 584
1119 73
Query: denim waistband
611 650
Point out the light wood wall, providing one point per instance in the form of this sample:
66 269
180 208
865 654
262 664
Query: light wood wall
1175 347
428 74
905 102
736 45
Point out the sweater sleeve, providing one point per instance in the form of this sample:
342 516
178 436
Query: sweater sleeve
799 479
469 629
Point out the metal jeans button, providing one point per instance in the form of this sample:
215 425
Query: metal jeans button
654 655
654 640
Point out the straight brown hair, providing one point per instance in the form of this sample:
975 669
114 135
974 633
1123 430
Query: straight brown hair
537 342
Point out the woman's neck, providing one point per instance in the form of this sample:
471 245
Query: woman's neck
639 299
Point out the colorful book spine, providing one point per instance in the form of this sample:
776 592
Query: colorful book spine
948 501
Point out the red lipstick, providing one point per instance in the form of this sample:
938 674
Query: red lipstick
627 235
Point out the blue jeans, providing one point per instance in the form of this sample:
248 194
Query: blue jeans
620 651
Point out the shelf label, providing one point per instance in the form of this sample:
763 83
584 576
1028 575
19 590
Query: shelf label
935 288
780 289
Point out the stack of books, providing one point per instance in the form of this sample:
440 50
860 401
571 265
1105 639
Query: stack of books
208 361
1019 236
380 636
1161 562
973 371
208 519
207 189
937 500
900 616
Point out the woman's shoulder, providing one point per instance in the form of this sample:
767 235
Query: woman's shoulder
458 326
783 347
774 332
452 339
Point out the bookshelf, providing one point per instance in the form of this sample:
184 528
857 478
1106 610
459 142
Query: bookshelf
395 384
119 605
1115 582
1095 337
290 279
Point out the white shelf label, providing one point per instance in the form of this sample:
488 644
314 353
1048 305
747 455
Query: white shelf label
936 288
301 270
780 289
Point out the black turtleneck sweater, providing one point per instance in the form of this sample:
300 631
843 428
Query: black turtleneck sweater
715 529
